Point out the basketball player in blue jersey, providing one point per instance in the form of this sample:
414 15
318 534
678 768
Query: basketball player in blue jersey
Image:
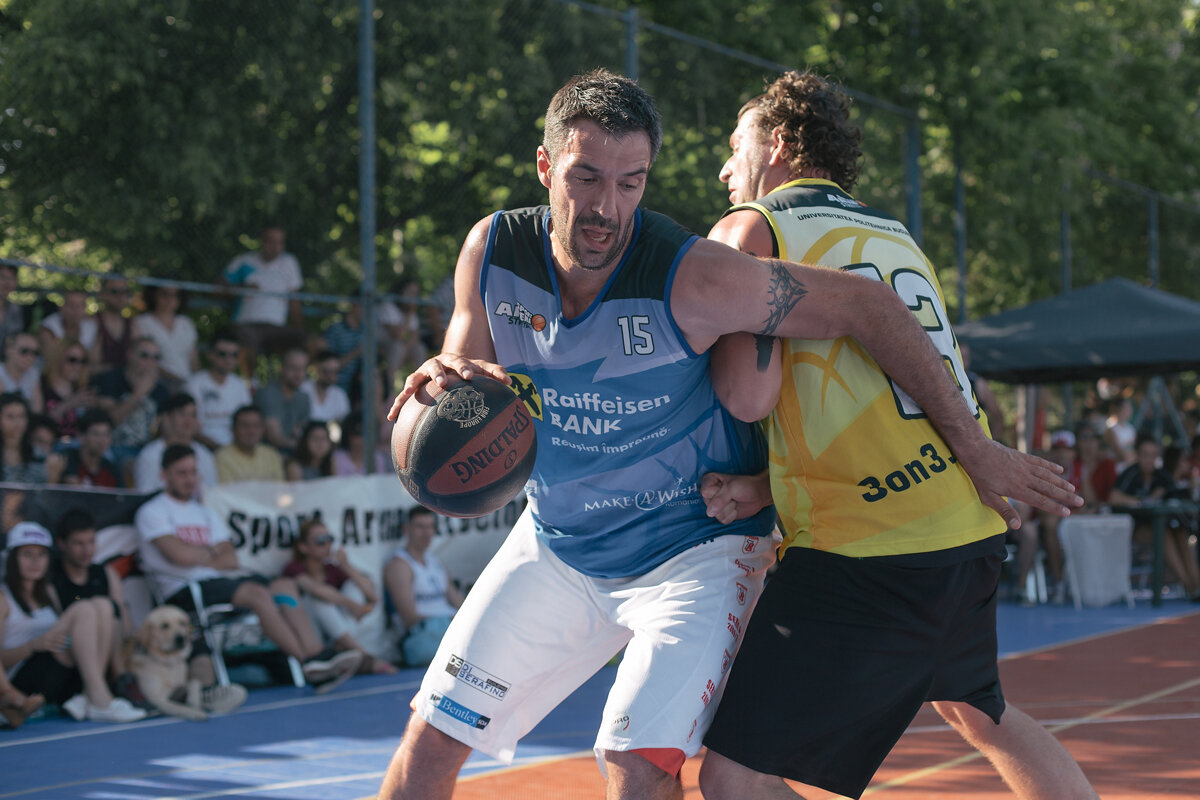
599 315
889 561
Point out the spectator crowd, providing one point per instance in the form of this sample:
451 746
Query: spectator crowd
133 396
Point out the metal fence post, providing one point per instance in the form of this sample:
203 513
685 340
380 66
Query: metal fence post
631 47
366 221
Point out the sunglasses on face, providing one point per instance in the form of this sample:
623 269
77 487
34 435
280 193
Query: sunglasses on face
154 356
74 359
226 353
27 351
322 540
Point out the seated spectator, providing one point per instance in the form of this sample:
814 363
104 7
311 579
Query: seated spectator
247 458
114 334
336 594
328 402
1120 434
261 321
178 426
65 391
20 372
15 705
69 322
313 456
344 339
172 330
219 391
420 590
284 406
181 540
75 578
1062 452
400 333
12 316
351 457
1145 482
58 653
43 435
1097 472
132 395
19 462
86 464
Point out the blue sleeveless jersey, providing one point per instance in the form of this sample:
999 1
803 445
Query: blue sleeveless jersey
626 417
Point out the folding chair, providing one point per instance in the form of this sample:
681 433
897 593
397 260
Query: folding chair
1098 557
217 621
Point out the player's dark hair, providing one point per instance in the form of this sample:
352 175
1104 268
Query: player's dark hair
813 117
614 102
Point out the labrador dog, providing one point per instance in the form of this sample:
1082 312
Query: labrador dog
159 661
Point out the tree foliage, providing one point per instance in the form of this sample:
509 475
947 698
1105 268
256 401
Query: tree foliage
158 136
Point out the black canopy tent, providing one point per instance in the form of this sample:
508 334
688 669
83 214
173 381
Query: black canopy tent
1114 328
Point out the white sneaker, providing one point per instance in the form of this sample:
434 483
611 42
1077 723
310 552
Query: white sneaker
342 667
77 707
119 710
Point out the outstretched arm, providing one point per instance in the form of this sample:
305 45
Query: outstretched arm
719 290
468 349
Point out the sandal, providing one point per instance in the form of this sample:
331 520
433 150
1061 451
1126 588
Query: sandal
16 707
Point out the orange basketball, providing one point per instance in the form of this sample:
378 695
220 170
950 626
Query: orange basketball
465 450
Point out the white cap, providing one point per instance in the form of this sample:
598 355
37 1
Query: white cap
24 533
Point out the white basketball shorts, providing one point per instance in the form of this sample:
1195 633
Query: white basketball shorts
532 630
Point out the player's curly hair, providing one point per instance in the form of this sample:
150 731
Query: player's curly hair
614 102
813 117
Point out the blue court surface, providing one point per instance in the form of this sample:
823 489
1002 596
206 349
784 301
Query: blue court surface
288 743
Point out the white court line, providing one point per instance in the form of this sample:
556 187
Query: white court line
254 709
1071 723
270 787
1094 636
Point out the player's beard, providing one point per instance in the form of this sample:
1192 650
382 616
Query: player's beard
569 237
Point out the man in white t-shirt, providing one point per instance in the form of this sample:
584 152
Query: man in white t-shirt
329 402
178 424
219 391
180 540
262 320
71 320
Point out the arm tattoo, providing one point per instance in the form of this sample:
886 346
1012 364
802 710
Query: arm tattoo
763 345
783 294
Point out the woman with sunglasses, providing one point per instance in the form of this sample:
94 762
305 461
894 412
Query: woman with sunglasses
173 330
65 391
18 461
335 593
20 372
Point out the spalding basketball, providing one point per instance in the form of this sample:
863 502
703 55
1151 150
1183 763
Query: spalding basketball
465 450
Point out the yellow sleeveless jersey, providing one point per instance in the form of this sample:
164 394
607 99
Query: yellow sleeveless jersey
856 467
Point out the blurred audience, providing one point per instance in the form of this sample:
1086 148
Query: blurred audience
219 391
71 321
246 458
350 457
284 406
420 590
20 371
328 402
178 426
58 653
313 456
261 321
1119 433
66 394
114 337
400 333
12 316
132 395
19 461
1144 483
344 339
86 464
172 330
336 594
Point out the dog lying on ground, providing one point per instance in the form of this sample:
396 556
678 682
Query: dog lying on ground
159 661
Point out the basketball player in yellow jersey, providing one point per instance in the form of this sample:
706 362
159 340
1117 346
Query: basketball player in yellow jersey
886 590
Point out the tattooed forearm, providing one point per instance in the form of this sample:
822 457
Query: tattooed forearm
782 295
763 345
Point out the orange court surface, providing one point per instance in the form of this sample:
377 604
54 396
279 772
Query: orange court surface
1119 687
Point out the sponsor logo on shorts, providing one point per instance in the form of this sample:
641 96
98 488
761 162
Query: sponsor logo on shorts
710 692
741 594
692 732
476 678
621 723
744 567
749 544
735 627
725 660
460 713
519 315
